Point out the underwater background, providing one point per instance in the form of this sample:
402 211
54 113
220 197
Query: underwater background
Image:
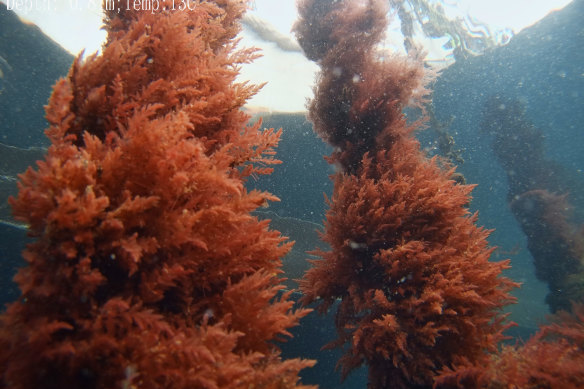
537 77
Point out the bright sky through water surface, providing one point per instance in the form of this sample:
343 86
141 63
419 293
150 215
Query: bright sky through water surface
75 24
